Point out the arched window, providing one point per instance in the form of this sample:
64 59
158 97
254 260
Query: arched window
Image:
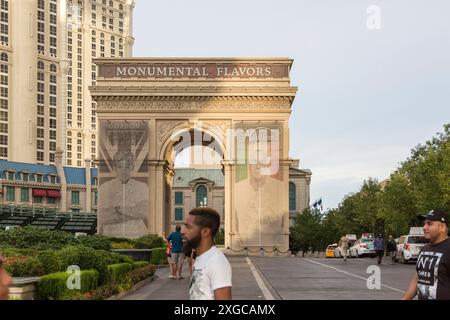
40 65
201 196
4 57
292 197
53 67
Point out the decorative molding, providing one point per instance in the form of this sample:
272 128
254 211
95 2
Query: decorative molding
179 104
164 128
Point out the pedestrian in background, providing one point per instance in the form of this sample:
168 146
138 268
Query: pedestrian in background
343 245
378 243
169 257
177 252
392 248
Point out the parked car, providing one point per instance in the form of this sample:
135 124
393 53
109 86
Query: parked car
329 252
363 247
408 247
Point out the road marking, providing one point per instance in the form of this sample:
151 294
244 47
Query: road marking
353 275
259 281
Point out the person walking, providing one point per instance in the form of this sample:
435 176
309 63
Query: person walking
431 281
177 255
378 243
211 277
343 245
169 258
392 248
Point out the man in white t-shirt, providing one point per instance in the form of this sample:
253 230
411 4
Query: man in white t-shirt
211 277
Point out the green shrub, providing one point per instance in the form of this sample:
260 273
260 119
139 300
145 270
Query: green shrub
159 256
85 258
95 242
219 239
120 258
140 264
122 245
149 242
118 272
141 273
24 266
30 237
50 260
14 252
54 286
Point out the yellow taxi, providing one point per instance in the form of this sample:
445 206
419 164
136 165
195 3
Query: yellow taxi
329 252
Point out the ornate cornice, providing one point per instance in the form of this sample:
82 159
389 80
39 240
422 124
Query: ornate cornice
188 103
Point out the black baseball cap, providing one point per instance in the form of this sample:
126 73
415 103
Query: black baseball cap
436 215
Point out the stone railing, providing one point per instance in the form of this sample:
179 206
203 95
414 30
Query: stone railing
23 288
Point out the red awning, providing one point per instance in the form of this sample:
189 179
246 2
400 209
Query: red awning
39 193
53 194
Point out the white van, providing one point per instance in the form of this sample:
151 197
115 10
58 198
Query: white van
409 246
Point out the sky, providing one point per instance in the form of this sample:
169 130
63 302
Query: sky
373 77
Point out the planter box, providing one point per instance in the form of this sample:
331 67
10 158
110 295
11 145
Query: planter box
23 288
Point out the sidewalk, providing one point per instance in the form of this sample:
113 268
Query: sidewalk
245 286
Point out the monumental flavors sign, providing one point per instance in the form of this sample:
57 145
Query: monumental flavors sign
195 70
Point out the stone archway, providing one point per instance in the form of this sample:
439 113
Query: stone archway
145 105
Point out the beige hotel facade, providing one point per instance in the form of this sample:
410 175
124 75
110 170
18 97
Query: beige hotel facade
46 52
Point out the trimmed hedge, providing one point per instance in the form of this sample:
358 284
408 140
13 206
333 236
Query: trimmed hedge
54 286
149 242
159 256
50 260
24 266
118 272
140 264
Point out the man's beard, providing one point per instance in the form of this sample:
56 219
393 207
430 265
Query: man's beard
193 243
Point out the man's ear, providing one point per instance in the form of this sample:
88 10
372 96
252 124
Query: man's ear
206 232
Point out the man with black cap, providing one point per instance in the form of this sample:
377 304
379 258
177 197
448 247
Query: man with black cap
432 278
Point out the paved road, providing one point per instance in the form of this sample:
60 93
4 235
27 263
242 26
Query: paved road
292 278
304 279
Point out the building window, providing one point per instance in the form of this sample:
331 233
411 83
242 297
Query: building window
292 197
25 176
75 197
178 197
179 214
10 194
51 200
37 199
25 195
201 196
39 178
10 175
4 23
52 179
95 197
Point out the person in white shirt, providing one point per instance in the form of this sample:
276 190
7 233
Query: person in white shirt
211 277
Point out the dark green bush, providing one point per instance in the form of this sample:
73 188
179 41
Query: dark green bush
54 286
24 267
149 242
11 252
50 260
159 256
96 242
118 272
219 239
30 237
85 258
140 264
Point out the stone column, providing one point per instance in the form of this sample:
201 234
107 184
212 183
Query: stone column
62 178
87 165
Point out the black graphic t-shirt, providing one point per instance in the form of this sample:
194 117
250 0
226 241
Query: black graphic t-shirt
433 270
